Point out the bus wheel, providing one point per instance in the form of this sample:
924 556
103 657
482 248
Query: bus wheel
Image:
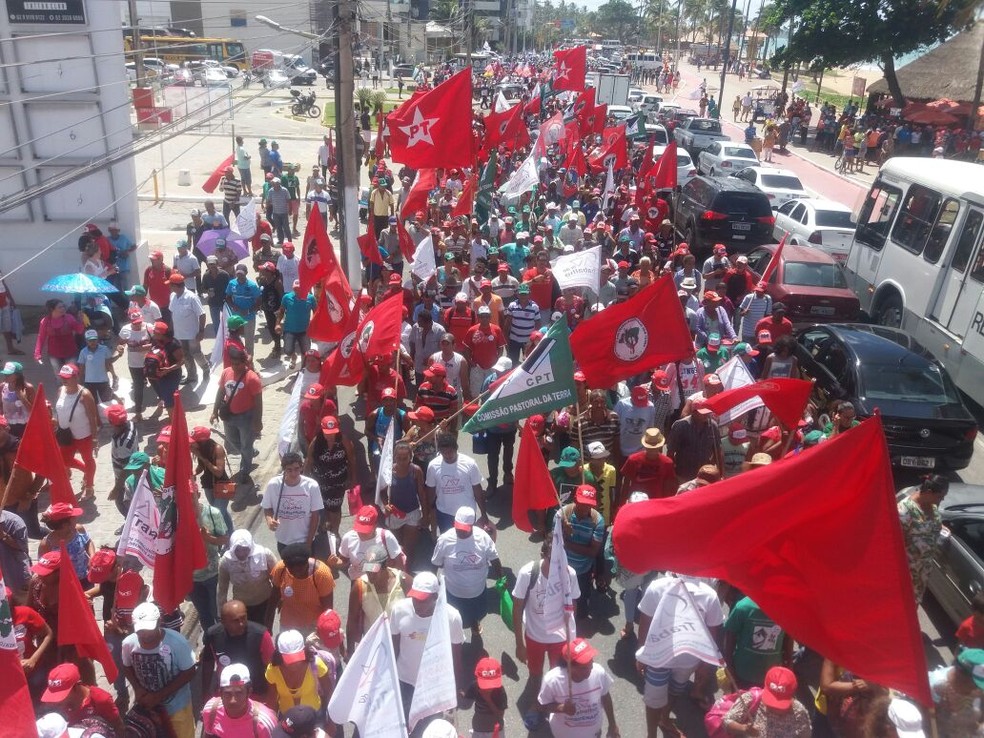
890 312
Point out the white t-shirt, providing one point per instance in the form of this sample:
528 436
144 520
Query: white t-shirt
354 548
133 337
296 505
543 614
454 483
465 561
704 597
586 695
186 309
412 630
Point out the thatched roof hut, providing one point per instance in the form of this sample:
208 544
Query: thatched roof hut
949 70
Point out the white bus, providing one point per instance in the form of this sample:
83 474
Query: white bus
917 260
645 60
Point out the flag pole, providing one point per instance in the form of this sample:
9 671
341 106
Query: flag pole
580 435
444 423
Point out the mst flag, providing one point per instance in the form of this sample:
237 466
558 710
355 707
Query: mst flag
486 188
332 308
645 331
534 489
543 382
786 398
825 556
38 452
614 152
570 68
580 269
18 712
664 175
344 365
213 179
317 254
76 620
435 129
677 629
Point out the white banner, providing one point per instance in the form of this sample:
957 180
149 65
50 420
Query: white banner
677 629
143 520
368 692
582 269
435 690
245 223
559 575
609 187
385 476
501 104
287 437
423 264
522 180
733 374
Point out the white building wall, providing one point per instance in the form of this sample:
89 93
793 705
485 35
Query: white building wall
218 21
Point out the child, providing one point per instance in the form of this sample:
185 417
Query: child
490 700
970 634
327 641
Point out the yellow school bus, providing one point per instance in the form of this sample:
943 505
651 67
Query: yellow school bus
178 49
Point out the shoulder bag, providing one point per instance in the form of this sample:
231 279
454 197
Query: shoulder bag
64 436
225 407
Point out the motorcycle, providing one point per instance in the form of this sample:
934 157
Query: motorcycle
304 104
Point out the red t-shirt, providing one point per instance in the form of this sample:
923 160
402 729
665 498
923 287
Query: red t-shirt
156 284
484 346
249 386
970 636
541 291
28 628
458 324
380 379
776 329
98 704
656 477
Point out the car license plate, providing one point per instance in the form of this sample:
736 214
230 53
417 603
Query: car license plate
821 310
918 462
742 226
737 237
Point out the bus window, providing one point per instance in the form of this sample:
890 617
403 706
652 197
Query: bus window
215 51
977 271
941 231
235 52
968 239
915 222
876 215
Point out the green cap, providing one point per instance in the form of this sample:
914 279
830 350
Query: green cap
235 322
569 457
493 251
138 460
812 438
137 289
262 141
523 289
526 209
182 243
12 367
971 660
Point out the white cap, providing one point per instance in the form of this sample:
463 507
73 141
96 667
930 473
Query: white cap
146 616
638 497
440 728
234 674
461 297
503 364
464 519
290 643
52 725
906 718
484 310
424 585
597 450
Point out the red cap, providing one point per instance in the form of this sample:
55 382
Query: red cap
135 316
623 265
423 413
288 247
101 565
62 510
579 376
502 268
200 433
116 414
580 651
69 370
710 296
779 688
268 266
315 390
176 278
329 425
365 521
160 327
640 396
330 629
537 422
395 279
61 680
585 494
662 379
488 673
389 393
485 283
436 369
48 563
156 254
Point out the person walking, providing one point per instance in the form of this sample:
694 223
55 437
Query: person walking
574 696
246 566
78 426
292 504
239 403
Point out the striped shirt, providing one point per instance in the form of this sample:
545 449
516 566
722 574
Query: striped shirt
232 189
607 431
442 401
522 320
583 531
758 307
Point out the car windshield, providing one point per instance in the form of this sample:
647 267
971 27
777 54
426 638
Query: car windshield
683 160
781 182
705 126
835 219
813 274
912 379
738 152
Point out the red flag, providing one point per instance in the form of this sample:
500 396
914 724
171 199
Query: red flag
332 310
552 131
643 191
423 183
76 621
406 242
317 253
584 104
213 181
344 365
180 549
369 247
600 118
534 489
38 451
664 175
435 129
825 541
331 148
533 106
774 261
379 332
18 712
786 398
570 67
379 148
614 150
643 332
466 200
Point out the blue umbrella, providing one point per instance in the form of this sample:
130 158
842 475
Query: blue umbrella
78 284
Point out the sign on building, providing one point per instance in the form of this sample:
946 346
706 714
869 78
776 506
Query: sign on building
46 12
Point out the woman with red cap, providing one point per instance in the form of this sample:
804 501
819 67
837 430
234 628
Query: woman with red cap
771 711
212 468
331 463
78 424
60 517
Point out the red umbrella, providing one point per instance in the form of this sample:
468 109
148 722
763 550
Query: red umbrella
932 117
944 104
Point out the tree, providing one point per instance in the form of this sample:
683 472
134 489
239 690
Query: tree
834 33
617 18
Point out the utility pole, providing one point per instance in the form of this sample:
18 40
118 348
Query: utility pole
137 53
727 54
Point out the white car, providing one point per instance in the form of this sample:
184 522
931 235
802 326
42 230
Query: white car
635 95
685 165
779 185
620 112
725 157
824 224
275 78
214 77
658 134
650 104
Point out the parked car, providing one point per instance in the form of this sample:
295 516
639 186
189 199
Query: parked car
658 134
826 224
649 104
635 95
213 77
809 282
957 572
927 426
620 112
275 78
779 185
183 77
726 210
726 157
685 165
696 134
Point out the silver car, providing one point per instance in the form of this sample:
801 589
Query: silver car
810 221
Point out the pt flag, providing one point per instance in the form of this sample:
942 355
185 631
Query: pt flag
570 68
38 452
643 332
76 621
814 540
180 549
18 712
317 254
435 129
543 382
534 488
786 398
677 629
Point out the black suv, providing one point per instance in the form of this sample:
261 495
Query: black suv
726 210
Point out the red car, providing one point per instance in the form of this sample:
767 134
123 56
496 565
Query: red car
809 283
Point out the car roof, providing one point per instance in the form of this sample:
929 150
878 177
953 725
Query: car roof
793 252
880 342
818 203
736 145
773 170
731 184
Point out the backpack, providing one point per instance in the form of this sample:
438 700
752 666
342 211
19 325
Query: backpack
714 719
94 727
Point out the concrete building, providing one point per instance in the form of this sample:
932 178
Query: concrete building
64 106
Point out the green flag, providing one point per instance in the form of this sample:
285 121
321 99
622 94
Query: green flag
635 127
543 382
486 187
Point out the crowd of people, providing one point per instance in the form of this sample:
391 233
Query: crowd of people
274 641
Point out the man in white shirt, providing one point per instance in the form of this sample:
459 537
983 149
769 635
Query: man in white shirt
468 555
188 319
453 481
292 504
540 624
410 620
671 681
188 265
575 697
287 264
